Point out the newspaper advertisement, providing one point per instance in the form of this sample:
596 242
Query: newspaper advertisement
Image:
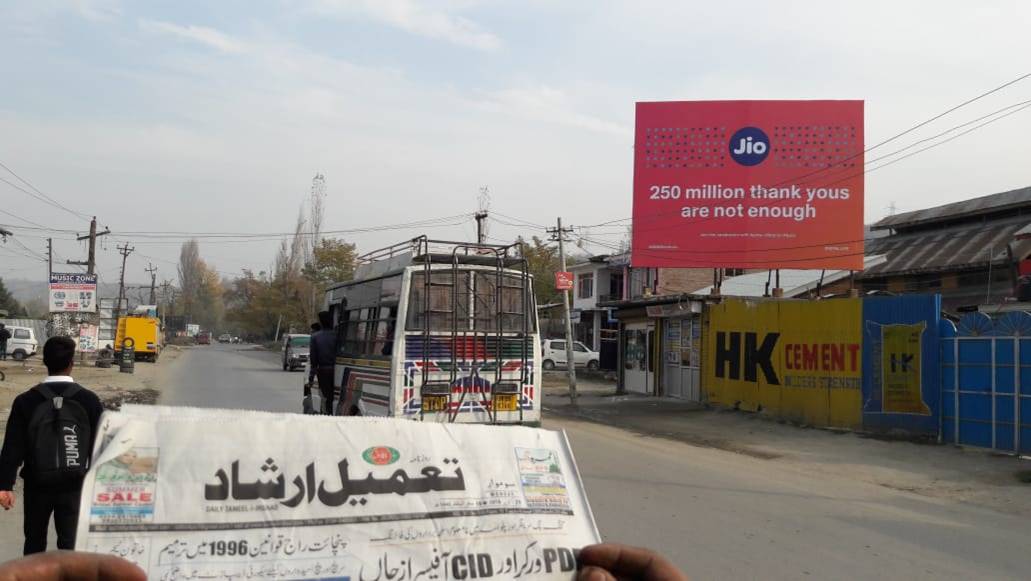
73 292
210 494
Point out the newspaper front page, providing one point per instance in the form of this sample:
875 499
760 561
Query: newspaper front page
200 494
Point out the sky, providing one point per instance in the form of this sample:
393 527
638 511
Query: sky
213 117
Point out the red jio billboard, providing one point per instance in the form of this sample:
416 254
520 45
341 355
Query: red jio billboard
749 184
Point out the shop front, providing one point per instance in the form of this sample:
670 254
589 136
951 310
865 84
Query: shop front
660 346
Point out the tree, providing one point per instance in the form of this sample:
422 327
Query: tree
543 262
190 276
332 261
251 305
200 298
8 302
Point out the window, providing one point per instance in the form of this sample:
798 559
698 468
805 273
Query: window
366 327
643 281
300 341
615 286
585 286
469 302
558 345
21 333
580 348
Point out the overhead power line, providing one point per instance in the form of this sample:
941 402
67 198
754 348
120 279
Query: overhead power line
38 194
17 217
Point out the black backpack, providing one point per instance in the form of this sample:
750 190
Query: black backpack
59 438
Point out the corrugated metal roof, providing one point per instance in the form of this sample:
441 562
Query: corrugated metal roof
794 282
982 205
956 248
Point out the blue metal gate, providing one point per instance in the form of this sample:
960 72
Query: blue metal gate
986 381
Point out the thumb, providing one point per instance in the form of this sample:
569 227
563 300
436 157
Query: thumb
591 573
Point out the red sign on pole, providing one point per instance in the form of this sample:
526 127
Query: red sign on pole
749 184
563 280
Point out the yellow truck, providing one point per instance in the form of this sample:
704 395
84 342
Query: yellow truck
145 333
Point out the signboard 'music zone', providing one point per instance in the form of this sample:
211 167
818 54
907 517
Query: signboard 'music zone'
73 293
749 184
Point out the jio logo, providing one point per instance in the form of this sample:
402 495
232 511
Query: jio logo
749 146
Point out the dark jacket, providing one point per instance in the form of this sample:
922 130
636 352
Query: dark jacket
322 350
16 438
4 335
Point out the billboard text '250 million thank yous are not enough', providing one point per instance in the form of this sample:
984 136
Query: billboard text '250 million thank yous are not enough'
749 184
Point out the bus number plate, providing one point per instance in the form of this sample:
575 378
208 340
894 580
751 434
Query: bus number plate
506 402
434 403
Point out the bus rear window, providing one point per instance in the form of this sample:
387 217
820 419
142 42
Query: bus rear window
469 302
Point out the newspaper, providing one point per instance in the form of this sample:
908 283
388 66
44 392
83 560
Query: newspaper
213 494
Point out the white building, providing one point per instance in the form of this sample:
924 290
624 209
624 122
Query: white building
597 281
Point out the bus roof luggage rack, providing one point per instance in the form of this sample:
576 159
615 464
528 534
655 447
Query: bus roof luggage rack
421 250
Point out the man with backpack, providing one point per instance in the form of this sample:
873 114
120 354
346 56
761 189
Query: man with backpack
50 436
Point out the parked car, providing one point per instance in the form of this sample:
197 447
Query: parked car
22 343
225 338
295 351
204 338
555 354
235 340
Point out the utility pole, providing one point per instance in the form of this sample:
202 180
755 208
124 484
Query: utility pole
481 215
559 234
50 258
125 251
165 302
481 234
153 282
91 260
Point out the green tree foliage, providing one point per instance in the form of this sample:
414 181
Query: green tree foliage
332 261
256 303
543 262
251 305
8 302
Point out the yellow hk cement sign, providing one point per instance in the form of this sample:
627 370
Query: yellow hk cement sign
800 360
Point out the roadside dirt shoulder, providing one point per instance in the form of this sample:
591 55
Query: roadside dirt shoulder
967 475
113 386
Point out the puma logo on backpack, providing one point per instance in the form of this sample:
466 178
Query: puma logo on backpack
59 438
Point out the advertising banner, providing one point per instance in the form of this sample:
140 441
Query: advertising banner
801 360
388 499
749 184
73 293
900 369
88 339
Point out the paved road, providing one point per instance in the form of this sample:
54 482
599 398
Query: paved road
231 376
720 515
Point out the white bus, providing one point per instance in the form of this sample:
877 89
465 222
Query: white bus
438 331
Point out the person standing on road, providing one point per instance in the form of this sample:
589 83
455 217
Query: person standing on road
50 436
322 352
4 336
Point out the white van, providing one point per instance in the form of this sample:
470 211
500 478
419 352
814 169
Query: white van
22 343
